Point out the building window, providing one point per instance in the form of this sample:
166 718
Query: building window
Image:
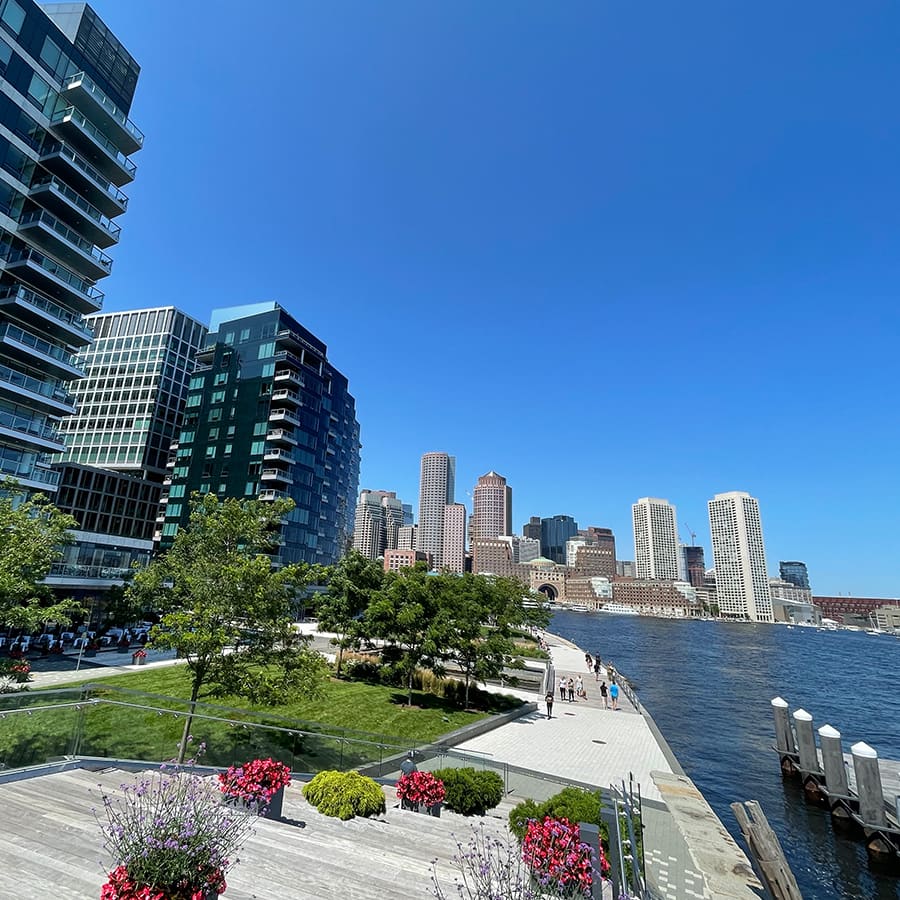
249 488
217 397
220 378
257 448
227 450
266 350
260 428
215 415
13 16
170 528
193 400
210 452
245 335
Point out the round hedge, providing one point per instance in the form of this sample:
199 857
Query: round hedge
345 795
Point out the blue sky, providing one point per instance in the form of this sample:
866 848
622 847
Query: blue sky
608 249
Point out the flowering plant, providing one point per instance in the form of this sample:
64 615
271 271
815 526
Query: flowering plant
421 787
139 654
557 857
170 836
256 781
13 672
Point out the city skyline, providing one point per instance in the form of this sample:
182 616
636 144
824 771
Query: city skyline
756 205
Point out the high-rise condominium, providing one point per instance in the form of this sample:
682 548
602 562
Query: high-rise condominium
555 531
454 539
437 484
739 557
491 507
65 142
795 572
268 416
655 539
379 518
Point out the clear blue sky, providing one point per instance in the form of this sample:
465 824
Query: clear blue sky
608 249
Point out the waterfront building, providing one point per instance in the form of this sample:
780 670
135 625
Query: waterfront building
590 591
572 547
379 517
406 537
532 528
555 531
795 572
65 143
268 416
657 597
491 507
437 485
694 565
625 568
739 556
453 548
887 617
655 539
851 610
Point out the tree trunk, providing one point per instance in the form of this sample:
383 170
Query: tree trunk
412 671
467 688
340 658
195 691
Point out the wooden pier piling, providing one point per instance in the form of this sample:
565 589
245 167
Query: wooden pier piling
837 788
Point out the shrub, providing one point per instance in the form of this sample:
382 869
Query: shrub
574 804
471 792
345 794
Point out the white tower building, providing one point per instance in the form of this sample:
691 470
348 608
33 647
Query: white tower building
454 550
436 489
739 556
655 539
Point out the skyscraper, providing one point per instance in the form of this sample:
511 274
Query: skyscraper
795 572
532 528
555 531
739 557
694 565
655 539
379 517
436 490
64 147
454 538
268 416
491 507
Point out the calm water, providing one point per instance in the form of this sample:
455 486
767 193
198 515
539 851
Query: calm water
708 686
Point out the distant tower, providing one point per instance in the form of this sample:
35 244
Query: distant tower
739 557
454 539
655 539
436 489
694 565
491 507
379 517
555 531
532 528
794 572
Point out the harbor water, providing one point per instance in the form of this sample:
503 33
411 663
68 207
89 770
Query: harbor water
708 685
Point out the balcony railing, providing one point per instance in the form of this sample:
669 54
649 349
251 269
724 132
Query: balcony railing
49 389
28 472
86 247
77 200
14 333
89 171
29 425
111 109
74 570
69 278
70 113
52 309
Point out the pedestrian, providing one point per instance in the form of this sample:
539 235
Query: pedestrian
562 688
570 686
596 668
589 660
614 694
549 701
579 688
604 694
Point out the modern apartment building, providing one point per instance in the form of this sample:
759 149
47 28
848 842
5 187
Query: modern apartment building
655 539
268 416
555 531
437 485
795 572
65 143
453 550
739 557
379 518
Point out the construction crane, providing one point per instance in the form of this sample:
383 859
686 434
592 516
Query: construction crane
693 534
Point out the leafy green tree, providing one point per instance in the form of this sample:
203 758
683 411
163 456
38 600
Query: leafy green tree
409 614
352 584
226 609
33 533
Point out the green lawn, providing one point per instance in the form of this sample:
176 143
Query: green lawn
138 733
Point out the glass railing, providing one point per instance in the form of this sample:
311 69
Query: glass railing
13 332
106 103
40 215
81 163
70 112
26 470
35 425
74 570
88 208
47 306
35 385
61 272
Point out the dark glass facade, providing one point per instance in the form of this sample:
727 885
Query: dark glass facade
555 531
794 572
268 416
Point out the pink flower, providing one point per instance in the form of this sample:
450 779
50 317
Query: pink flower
421 787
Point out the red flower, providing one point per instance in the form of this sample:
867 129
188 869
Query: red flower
256 781
552 849
121 887
421 787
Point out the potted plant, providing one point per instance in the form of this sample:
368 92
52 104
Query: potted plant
139 657
258 785
553 851
171 838
421 791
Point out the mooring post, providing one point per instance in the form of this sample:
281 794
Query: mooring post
868 785
806 742
833 761
784 737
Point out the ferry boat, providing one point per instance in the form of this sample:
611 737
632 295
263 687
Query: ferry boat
619 609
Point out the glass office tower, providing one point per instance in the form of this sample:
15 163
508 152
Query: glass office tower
268 416
65 143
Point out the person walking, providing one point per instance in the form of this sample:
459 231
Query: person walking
614 694
604 695
549 701
579 688
589 661
570 686
596 668
562 688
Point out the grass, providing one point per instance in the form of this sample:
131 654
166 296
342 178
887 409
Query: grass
138 733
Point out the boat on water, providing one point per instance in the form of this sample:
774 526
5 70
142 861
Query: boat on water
619 609
576 607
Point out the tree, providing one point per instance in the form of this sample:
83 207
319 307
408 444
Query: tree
217 591
33 533
352 584
409 614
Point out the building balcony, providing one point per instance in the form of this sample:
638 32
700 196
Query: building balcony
167 480
74 169
54 236
282 436
287 360
78 131
283 395
273 495
50 316
111 121
29 475
60 283
74 574
46 395
58 198
279 475
289 376
32 430
283 416
34 351
276 454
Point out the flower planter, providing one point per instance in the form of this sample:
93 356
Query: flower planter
139 660
408 804
434 810
272 811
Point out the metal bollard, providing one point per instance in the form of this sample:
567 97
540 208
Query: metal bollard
784 737
833 761
806 742
868 785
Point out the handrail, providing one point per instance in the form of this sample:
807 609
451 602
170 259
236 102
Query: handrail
103 221
69 234
113 110
72 112
78 160
32 340
54 309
